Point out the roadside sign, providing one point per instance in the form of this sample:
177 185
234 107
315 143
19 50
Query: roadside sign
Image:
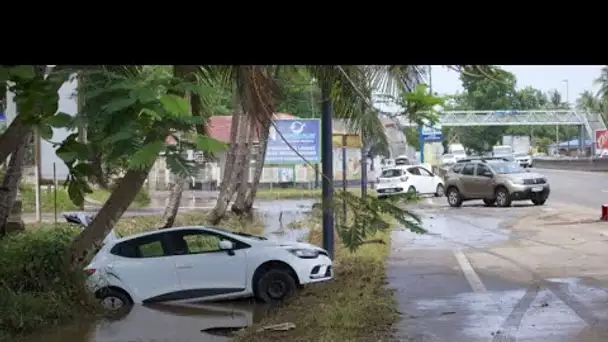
302 134
601 139
432 132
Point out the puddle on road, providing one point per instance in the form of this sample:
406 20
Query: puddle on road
447 232
201 322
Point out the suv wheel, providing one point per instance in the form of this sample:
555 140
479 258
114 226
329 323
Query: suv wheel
440 191
113 301
275 285
489 203
502 197
539 201
454 198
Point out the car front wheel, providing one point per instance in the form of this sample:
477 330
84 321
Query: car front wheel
275 285
454 198
539 201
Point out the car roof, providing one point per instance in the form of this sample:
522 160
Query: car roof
172 229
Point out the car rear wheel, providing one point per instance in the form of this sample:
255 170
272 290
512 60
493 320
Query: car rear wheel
454 198
440 191
275 285
502 197
489 203
114 301
411 189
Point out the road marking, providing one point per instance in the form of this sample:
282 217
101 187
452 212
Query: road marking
469 272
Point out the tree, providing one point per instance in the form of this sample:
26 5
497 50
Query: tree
142 112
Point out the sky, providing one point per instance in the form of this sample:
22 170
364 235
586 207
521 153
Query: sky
543 77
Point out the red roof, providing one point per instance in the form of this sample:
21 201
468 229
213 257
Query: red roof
219 126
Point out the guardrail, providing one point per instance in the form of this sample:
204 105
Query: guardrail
582 164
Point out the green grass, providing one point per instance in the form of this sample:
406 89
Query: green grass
64 203
354 306
35 292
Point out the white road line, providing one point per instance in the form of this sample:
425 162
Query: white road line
469 272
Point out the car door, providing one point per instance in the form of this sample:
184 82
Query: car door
144 266
427 179
204 269
467 179
416 179
483 182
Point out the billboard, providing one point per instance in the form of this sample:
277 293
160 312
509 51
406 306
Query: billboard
302 134
601 139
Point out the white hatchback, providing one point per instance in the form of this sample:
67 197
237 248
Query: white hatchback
416 179
202 263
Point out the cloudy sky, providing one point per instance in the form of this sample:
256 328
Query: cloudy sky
543 77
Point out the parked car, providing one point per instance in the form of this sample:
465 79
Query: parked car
494 181
413 179
201 264
448 159
523 159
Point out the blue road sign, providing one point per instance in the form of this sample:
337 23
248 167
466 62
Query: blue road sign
432 132
302 134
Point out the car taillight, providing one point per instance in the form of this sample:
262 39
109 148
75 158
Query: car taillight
403 179
90 271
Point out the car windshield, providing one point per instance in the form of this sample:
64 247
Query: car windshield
506 168
447 156
240 233
521 154
402 161
502 150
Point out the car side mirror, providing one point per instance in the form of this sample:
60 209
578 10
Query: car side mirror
488 174
227 246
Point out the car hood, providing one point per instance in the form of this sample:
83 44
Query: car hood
290 244
525 175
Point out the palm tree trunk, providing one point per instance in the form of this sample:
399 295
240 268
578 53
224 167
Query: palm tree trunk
10 183
177 190
234 163
259 166
172 207
92 236
239 203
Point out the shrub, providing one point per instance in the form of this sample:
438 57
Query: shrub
35 291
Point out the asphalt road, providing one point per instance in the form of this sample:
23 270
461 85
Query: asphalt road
589 189
524 273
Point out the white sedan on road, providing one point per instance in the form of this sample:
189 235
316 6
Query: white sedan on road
416 179
202 263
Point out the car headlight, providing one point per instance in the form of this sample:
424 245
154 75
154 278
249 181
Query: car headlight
304 253
517 181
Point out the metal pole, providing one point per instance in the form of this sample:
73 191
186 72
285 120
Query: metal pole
327 168
363 171
344 170
55 191
37 174
421 143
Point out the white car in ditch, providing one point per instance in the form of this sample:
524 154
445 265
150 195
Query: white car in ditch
202 263
415 179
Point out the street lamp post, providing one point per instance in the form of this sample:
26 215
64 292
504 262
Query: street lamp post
327 169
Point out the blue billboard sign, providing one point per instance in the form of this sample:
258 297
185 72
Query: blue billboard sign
302 134
432 132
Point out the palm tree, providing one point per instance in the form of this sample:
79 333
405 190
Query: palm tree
602 81
589 103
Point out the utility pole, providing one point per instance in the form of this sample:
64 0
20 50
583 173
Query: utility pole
421 128
327 169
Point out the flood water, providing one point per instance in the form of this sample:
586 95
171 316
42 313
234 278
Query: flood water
199 322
